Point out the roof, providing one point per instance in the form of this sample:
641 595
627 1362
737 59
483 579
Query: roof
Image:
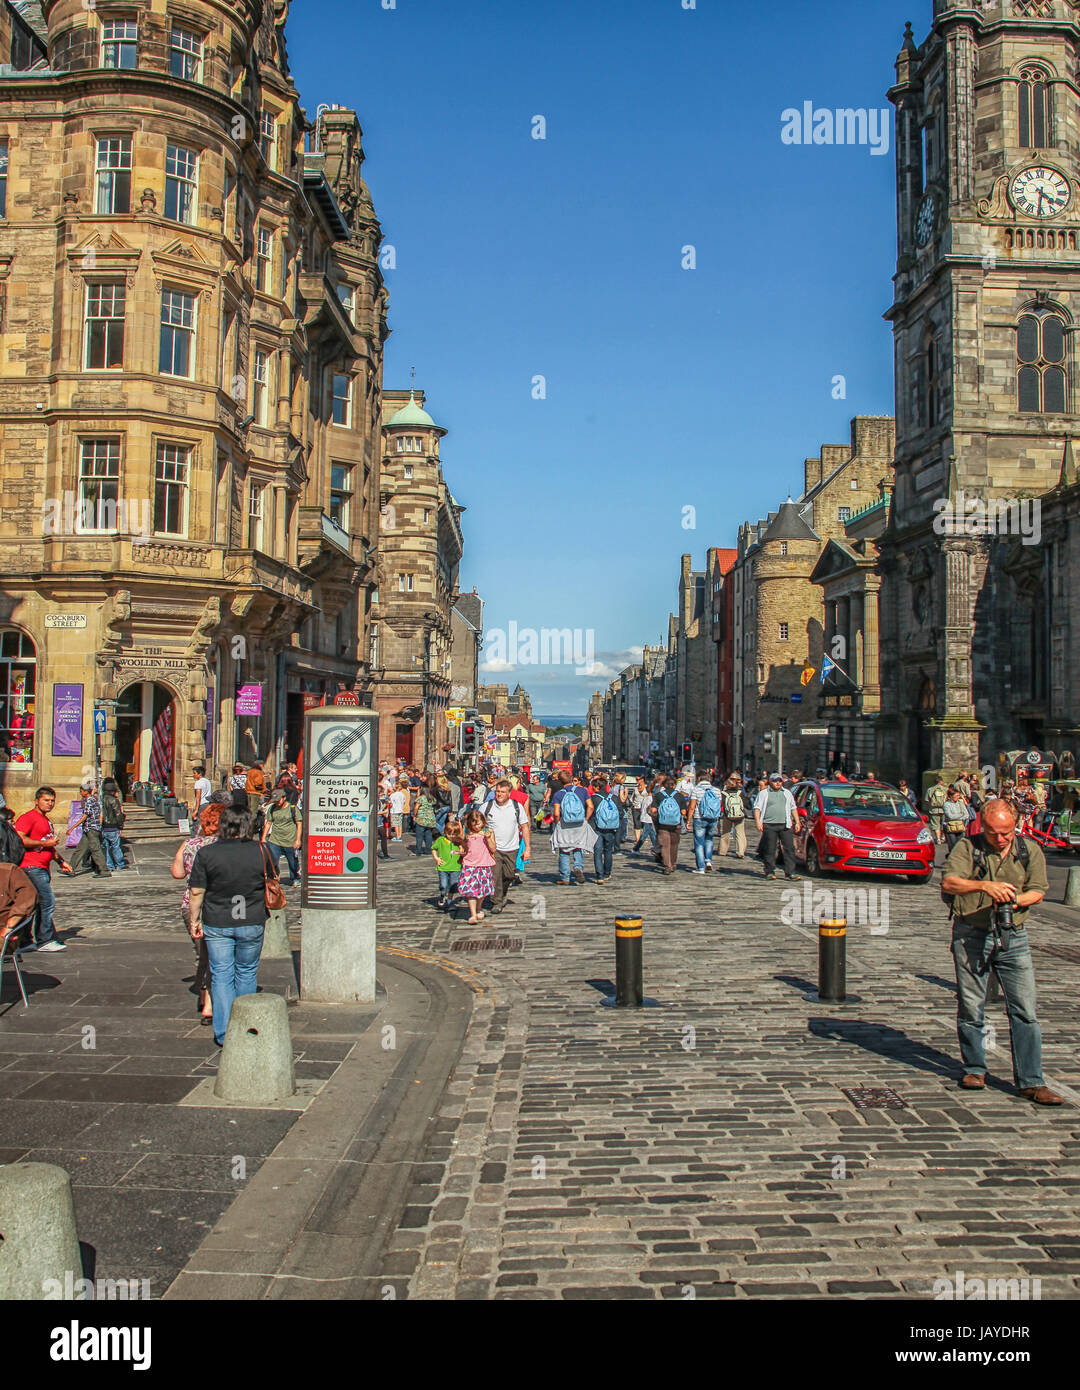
412 414
31 13
789 526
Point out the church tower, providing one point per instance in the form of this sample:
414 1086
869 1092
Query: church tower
987 301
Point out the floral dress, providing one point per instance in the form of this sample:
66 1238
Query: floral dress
202 960
477 879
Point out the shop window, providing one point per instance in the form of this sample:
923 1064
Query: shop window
18 687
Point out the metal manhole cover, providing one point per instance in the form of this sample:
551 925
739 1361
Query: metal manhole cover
874 1098
489 943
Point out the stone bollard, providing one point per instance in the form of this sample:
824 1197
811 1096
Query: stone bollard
39 1247
276 937
1072 889
256 1064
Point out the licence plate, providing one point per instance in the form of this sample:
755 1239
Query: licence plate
887 854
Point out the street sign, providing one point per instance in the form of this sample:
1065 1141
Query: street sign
99 721
814 731
69 620
796 699
339 821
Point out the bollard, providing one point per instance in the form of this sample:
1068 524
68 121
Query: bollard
39 1247
256 1064
1072 889
832 960
276 937
628 979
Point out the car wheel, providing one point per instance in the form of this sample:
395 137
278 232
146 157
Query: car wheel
813 860
922 878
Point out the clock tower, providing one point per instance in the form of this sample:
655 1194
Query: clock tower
985 313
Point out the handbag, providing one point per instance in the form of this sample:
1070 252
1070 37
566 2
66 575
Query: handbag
274 894
954 827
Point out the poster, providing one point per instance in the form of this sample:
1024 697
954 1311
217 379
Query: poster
67 740
249 700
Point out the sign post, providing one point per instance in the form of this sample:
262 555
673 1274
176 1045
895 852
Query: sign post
337 897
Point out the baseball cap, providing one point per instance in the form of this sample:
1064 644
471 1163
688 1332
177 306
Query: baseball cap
776 776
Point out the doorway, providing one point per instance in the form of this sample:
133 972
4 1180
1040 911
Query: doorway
145 736
403 742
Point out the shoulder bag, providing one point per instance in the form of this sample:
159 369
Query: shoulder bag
274 894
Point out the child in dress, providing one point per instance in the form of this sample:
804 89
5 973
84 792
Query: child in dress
447 851
477 881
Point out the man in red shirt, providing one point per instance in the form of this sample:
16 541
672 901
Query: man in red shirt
39 842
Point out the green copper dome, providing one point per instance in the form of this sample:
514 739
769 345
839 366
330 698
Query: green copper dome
412 414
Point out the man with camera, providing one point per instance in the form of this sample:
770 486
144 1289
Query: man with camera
991 880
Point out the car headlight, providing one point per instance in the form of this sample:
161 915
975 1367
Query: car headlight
925 836
838 832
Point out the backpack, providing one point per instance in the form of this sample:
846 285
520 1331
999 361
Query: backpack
607 814
572 812
710 807
936 798
668 813
424 814
112 814
12 848
733 805
979 867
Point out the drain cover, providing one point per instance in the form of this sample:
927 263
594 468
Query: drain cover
489 943
874 1098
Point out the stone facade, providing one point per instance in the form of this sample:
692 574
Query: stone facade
193 320
719 695
420 548
986 303
467 638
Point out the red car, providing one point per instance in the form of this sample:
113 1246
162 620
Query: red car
862 827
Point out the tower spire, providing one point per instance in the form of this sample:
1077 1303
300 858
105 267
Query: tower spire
412 384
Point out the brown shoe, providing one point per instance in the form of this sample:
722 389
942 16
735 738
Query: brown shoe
1042 1095
972 1082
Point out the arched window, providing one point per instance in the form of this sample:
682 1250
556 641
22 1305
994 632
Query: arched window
18 690
1033 96
1041 383
933 382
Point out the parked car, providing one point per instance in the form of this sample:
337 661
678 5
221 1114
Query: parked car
862 827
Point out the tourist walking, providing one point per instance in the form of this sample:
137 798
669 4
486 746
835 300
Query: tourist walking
424 816
206 834
606 821
444 802
446 852
112 822
39 844
477 881
281 834
572 835
777 817
642 804
238 782
399 801
733 825
621 794
508 820
956 813
89 846
669 805
935 807
228 908
703 813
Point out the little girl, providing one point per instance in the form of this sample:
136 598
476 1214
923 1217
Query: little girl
447 851
477 882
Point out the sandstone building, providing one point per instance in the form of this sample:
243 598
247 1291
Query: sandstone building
193 321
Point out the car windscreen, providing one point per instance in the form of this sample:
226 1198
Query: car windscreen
867 803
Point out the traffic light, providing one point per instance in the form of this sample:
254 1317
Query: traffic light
468 739
767 740
688 752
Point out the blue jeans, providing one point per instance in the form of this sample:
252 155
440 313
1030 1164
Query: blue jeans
442 815
648 832
704 834
114 855
46 901
971 950
424 837
291 858
234 967
448 881
564 863
603 852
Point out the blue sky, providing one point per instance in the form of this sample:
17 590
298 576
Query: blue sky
666 388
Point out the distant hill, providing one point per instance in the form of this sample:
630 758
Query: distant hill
560 721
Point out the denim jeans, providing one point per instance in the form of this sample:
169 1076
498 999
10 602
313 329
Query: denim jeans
114 855
971 950
424 838
564 863
291 858
448 881
234 966
648 832
442 815
704 834
603 852
46 901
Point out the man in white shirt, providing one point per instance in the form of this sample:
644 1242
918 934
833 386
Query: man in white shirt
203 791
686 783
510 822
777 817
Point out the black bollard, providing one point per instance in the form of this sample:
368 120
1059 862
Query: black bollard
832 960
628 985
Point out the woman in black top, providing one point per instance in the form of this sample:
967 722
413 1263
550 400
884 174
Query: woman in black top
228 909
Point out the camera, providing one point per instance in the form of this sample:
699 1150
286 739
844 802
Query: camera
1003 917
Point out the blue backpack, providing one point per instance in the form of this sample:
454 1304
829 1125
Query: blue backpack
668 813
710 807
572 812
607 814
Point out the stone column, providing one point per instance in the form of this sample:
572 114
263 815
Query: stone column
965 565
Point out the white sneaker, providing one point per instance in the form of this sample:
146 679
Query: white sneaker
697 871
52 946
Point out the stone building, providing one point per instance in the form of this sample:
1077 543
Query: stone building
594 728
974 618
779 611
420 548
719 696
467 639
190 372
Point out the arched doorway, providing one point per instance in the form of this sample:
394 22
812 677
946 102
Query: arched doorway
146 726
920 742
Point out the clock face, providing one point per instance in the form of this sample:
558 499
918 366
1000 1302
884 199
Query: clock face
924 223
1040 192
